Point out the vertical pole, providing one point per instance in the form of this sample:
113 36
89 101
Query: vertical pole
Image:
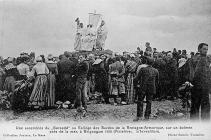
89 17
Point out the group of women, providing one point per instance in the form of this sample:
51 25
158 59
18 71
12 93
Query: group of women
41 76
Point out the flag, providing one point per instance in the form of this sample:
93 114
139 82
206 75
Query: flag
95 20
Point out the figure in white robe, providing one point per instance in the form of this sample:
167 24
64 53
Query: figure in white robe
101 36
88 40
79 32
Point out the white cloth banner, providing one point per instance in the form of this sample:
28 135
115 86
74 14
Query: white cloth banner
94 20
85 39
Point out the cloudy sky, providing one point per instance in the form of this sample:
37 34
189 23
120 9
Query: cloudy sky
47 26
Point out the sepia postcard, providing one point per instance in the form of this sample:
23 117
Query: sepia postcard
105 69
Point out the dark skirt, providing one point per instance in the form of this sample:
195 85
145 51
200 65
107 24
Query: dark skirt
65 87
9 84
1 82
101 83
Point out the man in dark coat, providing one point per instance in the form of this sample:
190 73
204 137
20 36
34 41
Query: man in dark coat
171 69
66 70
74 59
90 75
148 77
118 68
201 80
160 65
81 75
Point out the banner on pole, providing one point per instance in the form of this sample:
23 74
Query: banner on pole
94 20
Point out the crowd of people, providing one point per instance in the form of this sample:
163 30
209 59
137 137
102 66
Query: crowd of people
76 79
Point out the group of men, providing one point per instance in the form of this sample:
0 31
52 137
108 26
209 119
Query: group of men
156 76
196 70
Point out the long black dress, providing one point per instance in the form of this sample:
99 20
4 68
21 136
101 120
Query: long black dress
101 79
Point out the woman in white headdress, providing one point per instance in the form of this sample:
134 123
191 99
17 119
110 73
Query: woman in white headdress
38 96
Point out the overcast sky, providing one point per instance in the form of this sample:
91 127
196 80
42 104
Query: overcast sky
47 26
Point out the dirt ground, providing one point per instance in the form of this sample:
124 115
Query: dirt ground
161 111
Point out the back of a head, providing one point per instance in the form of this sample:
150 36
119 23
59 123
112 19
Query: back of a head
39 59
150 61
74 55
61 56
21 59
118 58
91 56
67 54
169 55
81 25
141 52
43 58
147 44
160 55
112 60
192 53
32 54
10 59
184 51
144 60
50 57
